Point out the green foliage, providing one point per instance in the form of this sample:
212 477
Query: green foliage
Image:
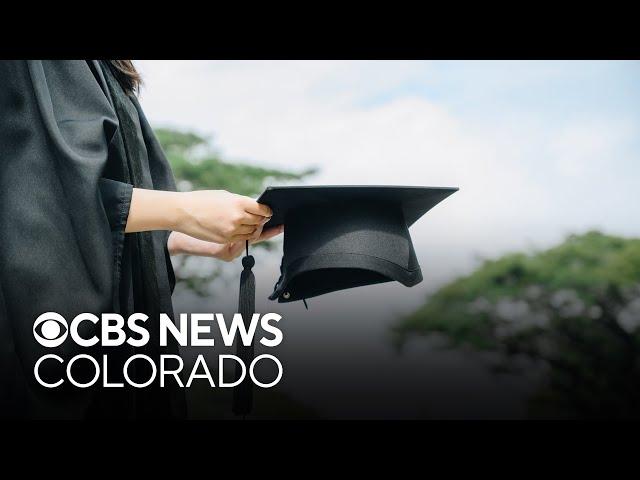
589 264
174 141
213 173
205 169
575 307
197 166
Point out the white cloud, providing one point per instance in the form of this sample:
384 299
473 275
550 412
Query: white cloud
522 182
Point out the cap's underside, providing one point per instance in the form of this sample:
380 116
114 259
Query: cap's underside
319 274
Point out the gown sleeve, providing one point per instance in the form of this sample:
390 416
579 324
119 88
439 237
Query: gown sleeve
116 199
57 213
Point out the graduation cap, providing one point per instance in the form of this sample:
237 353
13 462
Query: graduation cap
337 237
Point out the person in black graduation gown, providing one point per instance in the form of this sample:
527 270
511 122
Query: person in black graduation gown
88 218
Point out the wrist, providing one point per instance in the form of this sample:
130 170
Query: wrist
177 211
154 210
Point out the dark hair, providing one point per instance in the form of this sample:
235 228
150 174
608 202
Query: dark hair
127 75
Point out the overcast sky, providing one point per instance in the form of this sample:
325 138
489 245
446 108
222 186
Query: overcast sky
538 149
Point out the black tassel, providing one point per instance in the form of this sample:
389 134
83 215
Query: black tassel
243 392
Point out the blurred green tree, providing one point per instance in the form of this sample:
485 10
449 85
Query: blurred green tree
573 309
197 165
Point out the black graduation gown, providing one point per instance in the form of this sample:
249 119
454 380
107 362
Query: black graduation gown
72 147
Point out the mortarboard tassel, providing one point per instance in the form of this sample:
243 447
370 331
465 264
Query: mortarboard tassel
243 393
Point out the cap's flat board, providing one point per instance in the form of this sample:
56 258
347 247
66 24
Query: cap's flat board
414 201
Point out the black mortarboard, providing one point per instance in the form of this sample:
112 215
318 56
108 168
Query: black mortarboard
339 237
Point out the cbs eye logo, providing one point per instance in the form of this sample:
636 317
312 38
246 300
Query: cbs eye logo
50 329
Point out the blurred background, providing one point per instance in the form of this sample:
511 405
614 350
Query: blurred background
530 304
